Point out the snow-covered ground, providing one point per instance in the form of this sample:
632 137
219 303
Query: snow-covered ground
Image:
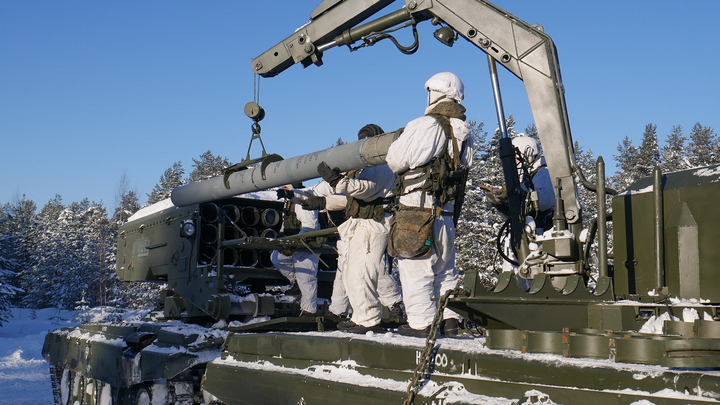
24 374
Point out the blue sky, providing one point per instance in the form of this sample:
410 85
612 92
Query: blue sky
92 90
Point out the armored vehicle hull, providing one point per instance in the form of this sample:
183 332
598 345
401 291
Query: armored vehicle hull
334 368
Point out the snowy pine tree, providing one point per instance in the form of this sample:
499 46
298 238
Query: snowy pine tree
98 253
703 146
648 153
207 166
588 201
473 240
674 155
65 270
627 162
338 142
172 178
126 203
532 131
37 276
21 227
7 273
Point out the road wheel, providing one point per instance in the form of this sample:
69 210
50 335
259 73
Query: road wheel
142 396
77 388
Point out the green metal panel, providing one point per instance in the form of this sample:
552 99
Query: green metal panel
238 386
691 232
245 378
504 339
544 342
151 248
614 317
588 345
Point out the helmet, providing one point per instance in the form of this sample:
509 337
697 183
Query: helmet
370 130
527 146
447 84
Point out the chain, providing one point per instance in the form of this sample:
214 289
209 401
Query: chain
423 369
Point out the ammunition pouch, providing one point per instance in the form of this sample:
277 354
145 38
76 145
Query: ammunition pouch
374 209
291 223
412 231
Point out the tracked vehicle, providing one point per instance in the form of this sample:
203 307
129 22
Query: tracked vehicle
646 330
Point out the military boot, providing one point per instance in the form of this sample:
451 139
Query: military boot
352 327
406 330
293 290
305 314
450 327
396 311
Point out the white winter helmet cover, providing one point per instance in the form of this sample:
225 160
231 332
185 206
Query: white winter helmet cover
527 146
448 84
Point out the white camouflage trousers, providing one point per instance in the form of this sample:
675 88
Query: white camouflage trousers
364 268
300 267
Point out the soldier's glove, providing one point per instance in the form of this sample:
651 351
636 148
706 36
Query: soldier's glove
332 176
283 193
496 196
313 203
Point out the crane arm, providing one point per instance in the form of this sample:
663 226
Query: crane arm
519 47
327 21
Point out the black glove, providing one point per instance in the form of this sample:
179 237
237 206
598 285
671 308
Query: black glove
313 203
497 197
282 193
332 176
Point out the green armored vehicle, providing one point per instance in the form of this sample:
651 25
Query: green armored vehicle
646 331
215 259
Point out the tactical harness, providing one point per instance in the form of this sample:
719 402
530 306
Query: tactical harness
357 208
374 209
443 176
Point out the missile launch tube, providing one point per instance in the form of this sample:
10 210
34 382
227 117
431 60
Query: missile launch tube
357 155
250 216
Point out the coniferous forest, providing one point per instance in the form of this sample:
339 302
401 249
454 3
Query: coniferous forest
62 254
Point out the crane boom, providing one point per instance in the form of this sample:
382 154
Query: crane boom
523 49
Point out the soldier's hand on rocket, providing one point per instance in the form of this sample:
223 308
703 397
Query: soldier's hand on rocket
332 176
313 203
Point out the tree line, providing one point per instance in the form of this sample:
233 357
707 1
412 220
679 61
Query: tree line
679 152
62 254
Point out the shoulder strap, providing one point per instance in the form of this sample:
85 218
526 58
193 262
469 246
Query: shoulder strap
449 135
